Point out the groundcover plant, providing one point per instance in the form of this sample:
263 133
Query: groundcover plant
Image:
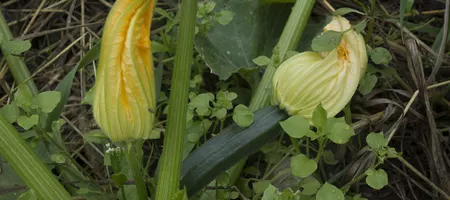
224 99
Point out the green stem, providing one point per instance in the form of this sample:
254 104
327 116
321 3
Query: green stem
372 21
135 161
289 39
170 163
27 165
321 147
16 64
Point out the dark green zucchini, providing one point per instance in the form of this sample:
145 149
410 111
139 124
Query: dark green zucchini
229 147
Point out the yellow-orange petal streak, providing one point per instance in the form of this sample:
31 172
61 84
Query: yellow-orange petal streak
124 90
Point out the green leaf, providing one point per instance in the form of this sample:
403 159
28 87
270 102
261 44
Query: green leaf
47 101
319 117
262 60
329 158
367 84
95 136
228 147
28 195
254 31
358 197
329 192
270 193
376 141
380 55
296 126
310 186
360 26
376 179
88 97
302 166
162 12
338 130
130 193
326 41
65 86
392 153
27 122
155 134
261 186
343 11
23 96
11 112
405 6
180 195
15 47
119 179
219 113
224 17
158 47
242 116
201 103
58 158
225 99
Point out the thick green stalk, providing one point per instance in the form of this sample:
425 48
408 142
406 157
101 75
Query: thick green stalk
27 165
135 161
288 42
16 64
170 163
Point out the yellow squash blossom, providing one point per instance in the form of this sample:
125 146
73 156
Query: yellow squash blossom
307 79
124 95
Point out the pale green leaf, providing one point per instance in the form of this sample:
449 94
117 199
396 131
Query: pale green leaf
376 141
15 47
329 192
302 166
296 126
58 158
261 60
48 101
27 122
10 111
319 117
326 41
376 179
367 84
242 116
343 11
224 17
380 55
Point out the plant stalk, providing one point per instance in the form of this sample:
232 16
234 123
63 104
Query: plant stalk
16 64
170 163
27 165
136 168
289 39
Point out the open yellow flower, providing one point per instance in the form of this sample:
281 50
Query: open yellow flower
124 95
307 79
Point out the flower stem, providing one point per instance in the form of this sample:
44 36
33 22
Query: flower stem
27 165
136 168
170 163
289 39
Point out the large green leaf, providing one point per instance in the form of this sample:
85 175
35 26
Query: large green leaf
231 145
65 85
254 31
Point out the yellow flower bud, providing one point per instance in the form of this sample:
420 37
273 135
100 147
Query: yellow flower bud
124 94
307 79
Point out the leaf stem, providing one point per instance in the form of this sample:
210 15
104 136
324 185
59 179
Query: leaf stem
170 163
136 167
289 39
16 64
27 165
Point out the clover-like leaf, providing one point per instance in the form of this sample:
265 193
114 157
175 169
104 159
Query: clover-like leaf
10 112
376 179
338 130
380 55
326 41
296 126
376 141
242 116
329 192
310 186
319 117
367 84
48 101
224 17
27 122
15 47
302 166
